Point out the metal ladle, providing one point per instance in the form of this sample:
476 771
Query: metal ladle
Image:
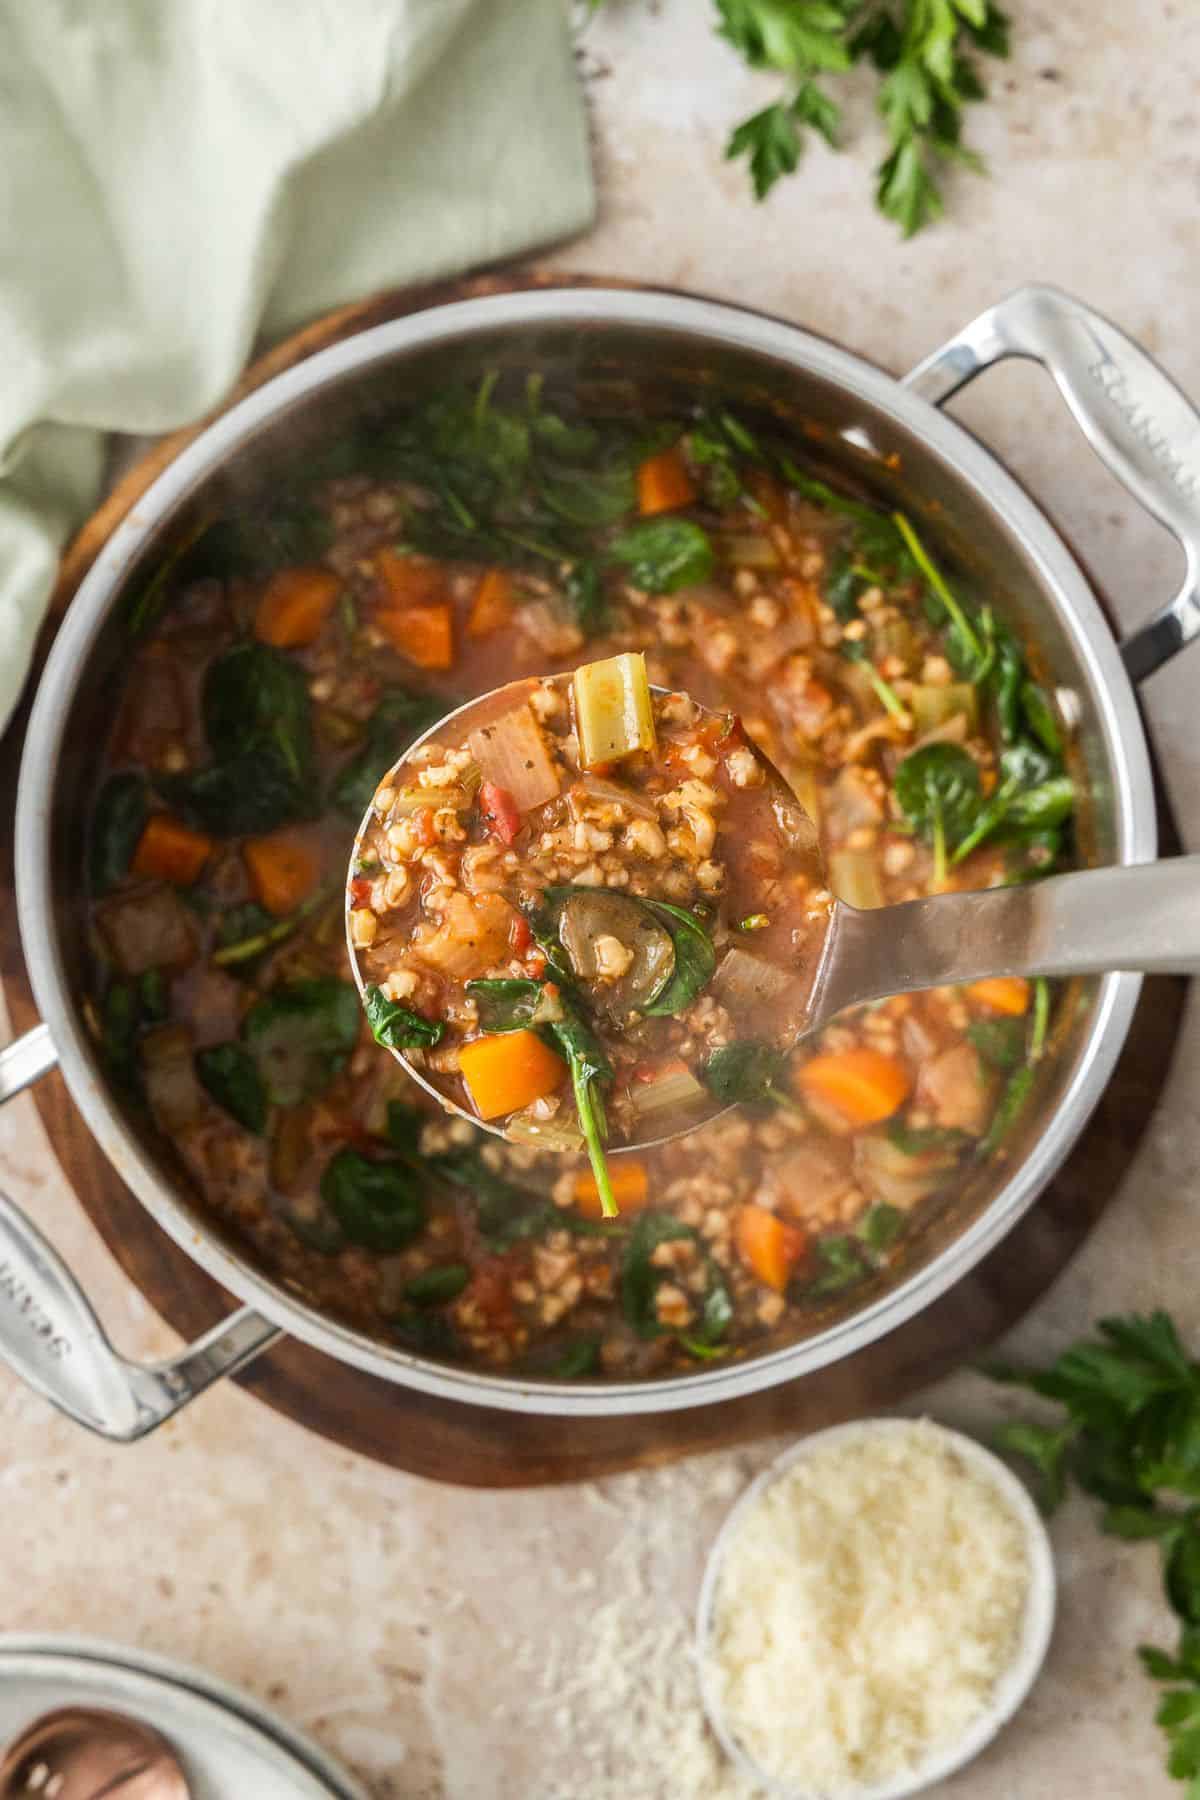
1144 918
80 1753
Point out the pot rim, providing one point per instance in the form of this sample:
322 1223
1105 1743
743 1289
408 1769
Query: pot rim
1059 576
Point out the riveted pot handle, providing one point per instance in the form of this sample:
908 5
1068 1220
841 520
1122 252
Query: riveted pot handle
1138 422
50 1335
51 1338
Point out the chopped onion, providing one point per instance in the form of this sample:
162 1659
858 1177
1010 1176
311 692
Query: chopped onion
932 706
677 1088
512 754
744 982
749 550
610 793
854 878
894 1175
414 800
543 1134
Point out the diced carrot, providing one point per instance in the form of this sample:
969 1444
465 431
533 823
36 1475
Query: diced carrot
169 850
768 1245
424 634
282 872
409 580
1008 994
509 1070
630 1186
492 605
663 483
294 606
864 1086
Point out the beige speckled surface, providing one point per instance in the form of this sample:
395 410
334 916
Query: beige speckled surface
431 1636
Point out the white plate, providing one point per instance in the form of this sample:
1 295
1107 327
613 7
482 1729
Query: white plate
1013 1685
230 1747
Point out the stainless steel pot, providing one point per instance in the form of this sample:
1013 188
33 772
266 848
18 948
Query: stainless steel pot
889 435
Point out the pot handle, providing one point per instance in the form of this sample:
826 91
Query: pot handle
1144 430
50 1335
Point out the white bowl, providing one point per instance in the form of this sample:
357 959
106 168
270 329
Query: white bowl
1013 1685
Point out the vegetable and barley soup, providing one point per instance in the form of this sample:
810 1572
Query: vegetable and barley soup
283 655
515 979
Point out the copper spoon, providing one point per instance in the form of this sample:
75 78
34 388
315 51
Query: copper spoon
1144 918
79 1753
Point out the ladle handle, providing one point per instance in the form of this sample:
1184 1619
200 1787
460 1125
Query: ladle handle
1144 918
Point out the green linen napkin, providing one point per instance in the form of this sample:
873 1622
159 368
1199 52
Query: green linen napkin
179 176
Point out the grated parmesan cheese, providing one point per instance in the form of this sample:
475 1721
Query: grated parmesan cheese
868 1601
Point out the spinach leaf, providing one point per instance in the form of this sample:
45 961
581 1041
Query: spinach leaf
230 1074
244 933
589 1066
589 497
881 1226
425 1332
843 1263
505 1213
398 720
119 1022
939 793
664 554
641 1279
300 1035
399 1027
1032 796
258 722
404 1125
586 599
377 1204
153 998
695 959
118 819
1041 717
580 1357
919 1141
255 697
256 540
1004 679
844 586
433 1287
745 1073
1000 1042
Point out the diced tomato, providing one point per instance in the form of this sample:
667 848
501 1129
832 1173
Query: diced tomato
519 936
490 1290
655 1071
423 825
498 810
535 965
360 891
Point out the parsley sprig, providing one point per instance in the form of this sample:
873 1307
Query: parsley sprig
924 53
1129 1435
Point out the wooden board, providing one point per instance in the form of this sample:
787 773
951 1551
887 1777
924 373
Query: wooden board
474 1445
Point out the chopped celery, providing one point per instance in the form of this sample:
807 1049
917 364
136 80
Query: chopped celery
678 1087
854 878
932 707
613 713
